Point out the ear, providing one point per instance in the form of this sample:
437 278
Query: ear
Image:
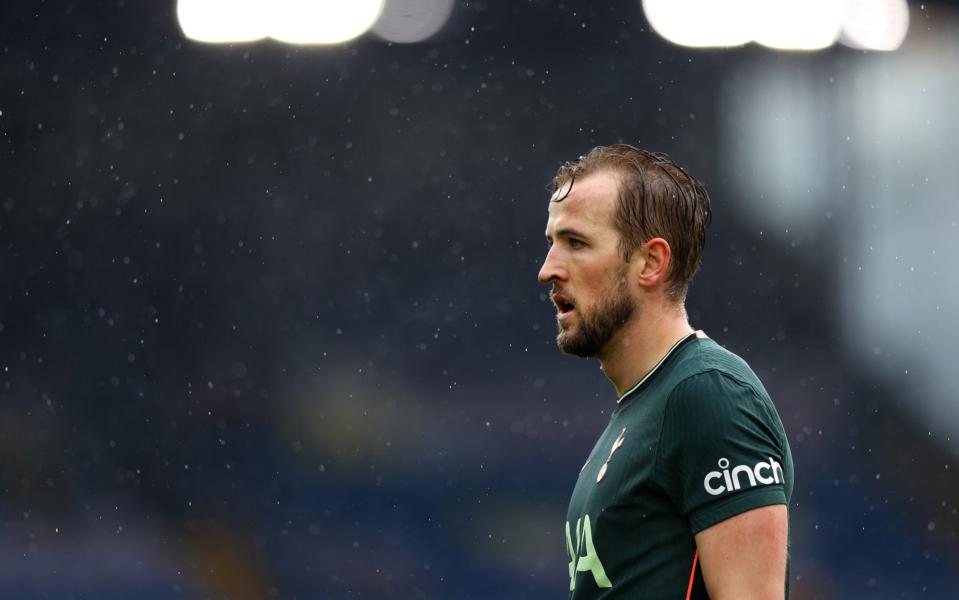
655 265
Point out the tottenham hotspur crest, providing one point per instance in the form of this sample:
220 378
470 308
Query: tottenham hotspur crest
616 445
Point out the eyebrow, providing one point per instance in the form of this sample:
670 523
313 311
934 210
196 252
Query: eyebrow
569 232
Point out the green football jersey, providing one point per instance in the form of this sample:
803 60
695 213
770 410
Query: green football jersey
695 442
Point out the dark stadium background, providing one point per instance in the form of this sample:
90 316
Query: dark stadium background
270 326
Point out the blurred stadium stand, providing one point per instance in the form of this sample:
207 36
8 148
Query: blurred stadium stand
270 326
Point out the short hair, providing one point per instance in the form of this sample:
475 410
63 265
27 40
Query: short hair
657 198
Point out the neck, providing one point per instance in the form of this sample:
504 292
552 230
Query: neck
641 344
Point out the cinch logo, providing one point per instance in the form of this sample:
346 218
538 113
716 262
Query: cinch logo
731 479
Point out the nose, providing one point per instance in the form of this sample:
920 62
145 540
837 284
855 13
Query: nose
552 269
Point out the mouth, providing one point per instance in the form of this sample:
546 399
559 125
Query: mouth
563 305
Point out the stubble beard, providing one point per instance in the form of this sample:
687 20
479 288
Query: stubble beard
597 328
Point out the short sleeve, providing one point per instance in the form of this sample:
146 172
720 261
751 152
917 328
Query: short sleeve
722 449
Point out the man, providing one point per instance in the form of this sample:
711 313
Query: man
685 493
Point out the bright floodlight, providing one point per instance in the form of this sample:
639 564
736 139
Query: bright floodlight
797 24
875 24
411 21
701 23
321 21
221 20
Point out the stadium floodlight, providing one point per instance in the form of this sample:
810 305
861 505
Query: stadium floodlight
701 23
798 24
222 21
780 24
412 21
322 21
875 24
292 21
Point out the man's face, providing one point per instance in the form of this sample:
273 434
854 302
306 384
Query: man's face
589 278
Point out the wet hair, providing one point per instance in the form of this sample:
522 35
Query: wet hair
657 198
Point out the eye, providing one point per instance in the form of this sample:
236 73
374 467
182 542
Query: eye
574 243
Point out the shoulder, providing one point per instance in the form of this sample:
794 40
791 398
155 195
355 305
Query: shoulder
718 423
715 396
708 369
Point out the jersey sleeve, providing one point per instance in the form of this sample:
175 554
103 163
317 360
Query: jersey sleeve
722 449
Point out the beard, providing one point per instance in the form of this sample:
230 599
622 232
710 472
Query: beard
598 327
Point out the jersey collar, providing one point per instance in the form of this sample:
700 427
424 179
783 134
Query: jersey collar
695 334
